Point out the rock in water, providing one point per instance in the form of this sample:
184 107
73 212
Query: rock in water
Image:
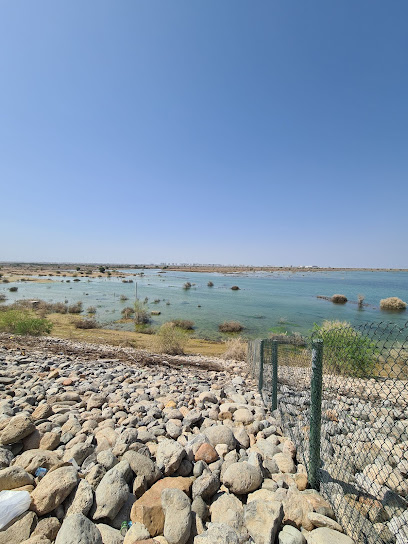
177 516
77 529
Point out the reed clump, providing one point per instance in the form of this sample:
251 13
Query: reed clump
339 299
230 326
236 349
392 303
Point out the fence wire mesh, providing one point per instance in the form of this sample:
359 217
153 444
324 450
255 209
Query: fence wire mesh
364 420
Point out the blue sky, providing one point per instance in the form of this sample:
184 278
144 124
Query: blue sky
267 132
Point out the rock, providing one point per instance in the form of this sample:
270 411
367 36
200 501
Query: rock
37 540
243 415
143 466
77 529
296 508
217 533
169 456
285 463
47 528
13 477
220 434
200 508
110 495
148 509
228 509
80 499
136 533
206 485
18 529
290 535
17 428
177 516
206 453
319 520
53 489
262 520
323 535
33 459
109 534
49 441
96 401
242 478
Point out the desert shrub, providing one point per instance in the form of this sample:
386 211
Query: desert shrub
24 322
5 280
392 303
127 312
141 313
346 350
210 284
339 299
75 308
235 288
187 285
13 289
86 324
185 324
123 298
3 297
170 339
230 326
236 349
46 307
102 269
91 310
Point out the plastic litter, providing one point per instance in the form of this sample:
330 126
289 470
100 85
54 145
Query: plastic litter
124 528
12 504
74 463
40 472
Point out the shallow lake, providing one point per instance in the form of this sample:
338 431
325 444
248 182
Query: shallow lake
266 302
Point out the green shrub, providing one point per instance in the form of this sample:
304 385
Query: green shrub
346 351
23 322
170 339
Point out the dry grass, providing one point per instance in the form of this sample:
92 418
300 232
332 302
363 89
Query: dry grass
75 308
392 303
236 349
170 339
85 324
230 326
339 299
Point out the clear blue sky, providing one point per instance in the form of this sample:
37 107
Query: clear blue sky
267 132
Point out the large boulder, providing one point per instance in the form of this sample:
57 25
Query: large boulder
110 495
262 520
323 535
227 508
169 456
217 533
177 516
19 529
13 477
242 478
77 529
80 499
17 428
53 489
143 466
32 459
148 509
220 434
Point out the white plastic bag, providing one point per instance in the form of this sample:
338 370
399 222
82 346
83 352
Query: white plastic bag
12 504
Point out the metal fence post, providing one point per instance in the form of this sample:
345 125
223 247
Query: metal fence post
261 366
315 413
274 375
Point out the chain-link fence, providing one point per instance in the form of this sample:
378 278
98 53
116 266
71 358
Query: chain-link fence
342 395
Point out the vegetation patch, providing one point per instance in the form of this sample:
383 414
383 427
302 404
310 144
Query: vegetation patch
23 322
127 312
184 324
86 324
170 339
339 299
346 350
230 326
393 303
236 349
75 308
141 313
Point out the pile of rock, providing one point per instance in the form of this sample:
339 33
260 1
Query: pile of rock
185 455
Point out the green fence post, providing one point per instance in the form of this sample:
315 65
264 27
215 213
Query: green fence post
315 413
274 375
261 366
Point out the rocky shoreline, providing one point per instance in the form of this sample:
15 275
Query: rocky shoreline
181 448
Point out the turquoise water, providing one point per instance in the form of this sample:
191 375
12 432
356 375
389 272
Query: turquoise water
266 301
